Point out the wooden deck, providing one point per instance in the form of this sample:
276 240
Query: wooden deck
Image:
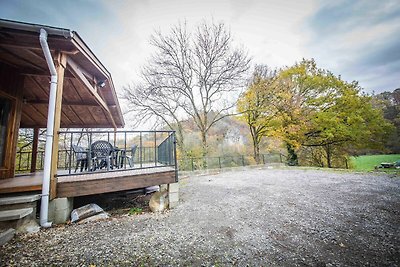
92 183
21 183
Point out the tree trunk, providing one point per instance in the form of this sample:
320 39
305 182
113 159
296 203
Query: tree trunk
292 159
180 141
328 155
256 144
204 148
256 150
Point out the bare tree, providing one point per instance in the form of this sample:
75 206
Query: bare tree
151 102
194 75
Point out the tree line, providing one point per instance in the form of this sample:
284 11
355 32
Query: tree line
312 112
200 76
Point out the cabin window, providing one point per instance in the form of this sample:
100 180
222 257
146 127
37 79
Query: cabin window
5 110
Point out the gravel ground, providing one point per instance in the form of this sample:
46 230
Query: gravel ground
269 217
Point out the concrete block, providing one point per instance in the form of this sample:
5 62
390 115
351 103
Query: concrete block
173 204
173 188
60 210
173 197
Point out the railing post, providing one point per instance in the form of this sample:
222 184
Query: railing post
140 150
155 148
90 153
27 163
19 161
124 161
70 153
35 149
176 159
169 147
41 160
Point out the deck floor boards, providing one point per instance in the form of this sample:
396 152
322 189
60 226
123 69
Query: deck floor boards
21 183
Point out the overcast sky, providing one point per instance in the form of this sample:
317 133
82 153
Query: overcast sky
356 39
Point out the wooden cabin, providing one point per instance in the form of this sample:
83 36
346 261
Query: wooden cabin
85 98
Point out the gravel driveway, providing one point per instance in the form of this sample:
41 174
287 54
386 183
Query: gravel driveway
259 217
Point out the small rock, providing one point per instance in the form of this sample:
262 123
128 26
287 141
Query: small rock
30 227
159 201
85 212
94 218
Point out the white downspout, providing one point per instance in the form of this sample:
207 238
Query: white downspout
44 207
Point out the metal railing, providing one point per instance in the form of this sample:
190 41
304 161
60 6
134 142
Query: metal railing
165 149
153 149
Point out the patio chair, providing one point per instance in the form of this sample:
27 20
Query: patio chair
130 158
80 157
102 155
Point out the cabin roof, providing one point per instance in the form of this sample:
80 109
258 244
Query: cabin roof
20 51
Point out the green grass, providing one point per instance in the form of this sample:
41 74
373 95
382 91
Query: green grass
134 211
368 163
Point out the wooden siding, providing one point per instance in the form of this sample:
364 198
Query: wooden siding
11 87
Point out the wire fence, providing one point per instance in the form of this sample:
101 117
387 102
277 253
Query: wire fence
227 161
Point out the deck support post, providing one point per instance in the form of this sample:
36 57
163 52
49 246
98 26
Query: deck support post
173 195
60 67
34 149
60 209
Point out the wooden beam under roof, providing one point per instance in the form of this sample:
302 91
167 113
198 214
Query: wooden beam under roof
65 103
78 72
23 59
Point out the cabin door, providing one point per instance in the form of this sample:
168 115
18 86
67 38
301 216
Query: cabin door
5 111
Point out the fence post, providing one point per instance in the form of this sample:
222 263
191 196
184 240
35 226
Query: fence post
280 157
192 164
263 158
219 162
243 160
